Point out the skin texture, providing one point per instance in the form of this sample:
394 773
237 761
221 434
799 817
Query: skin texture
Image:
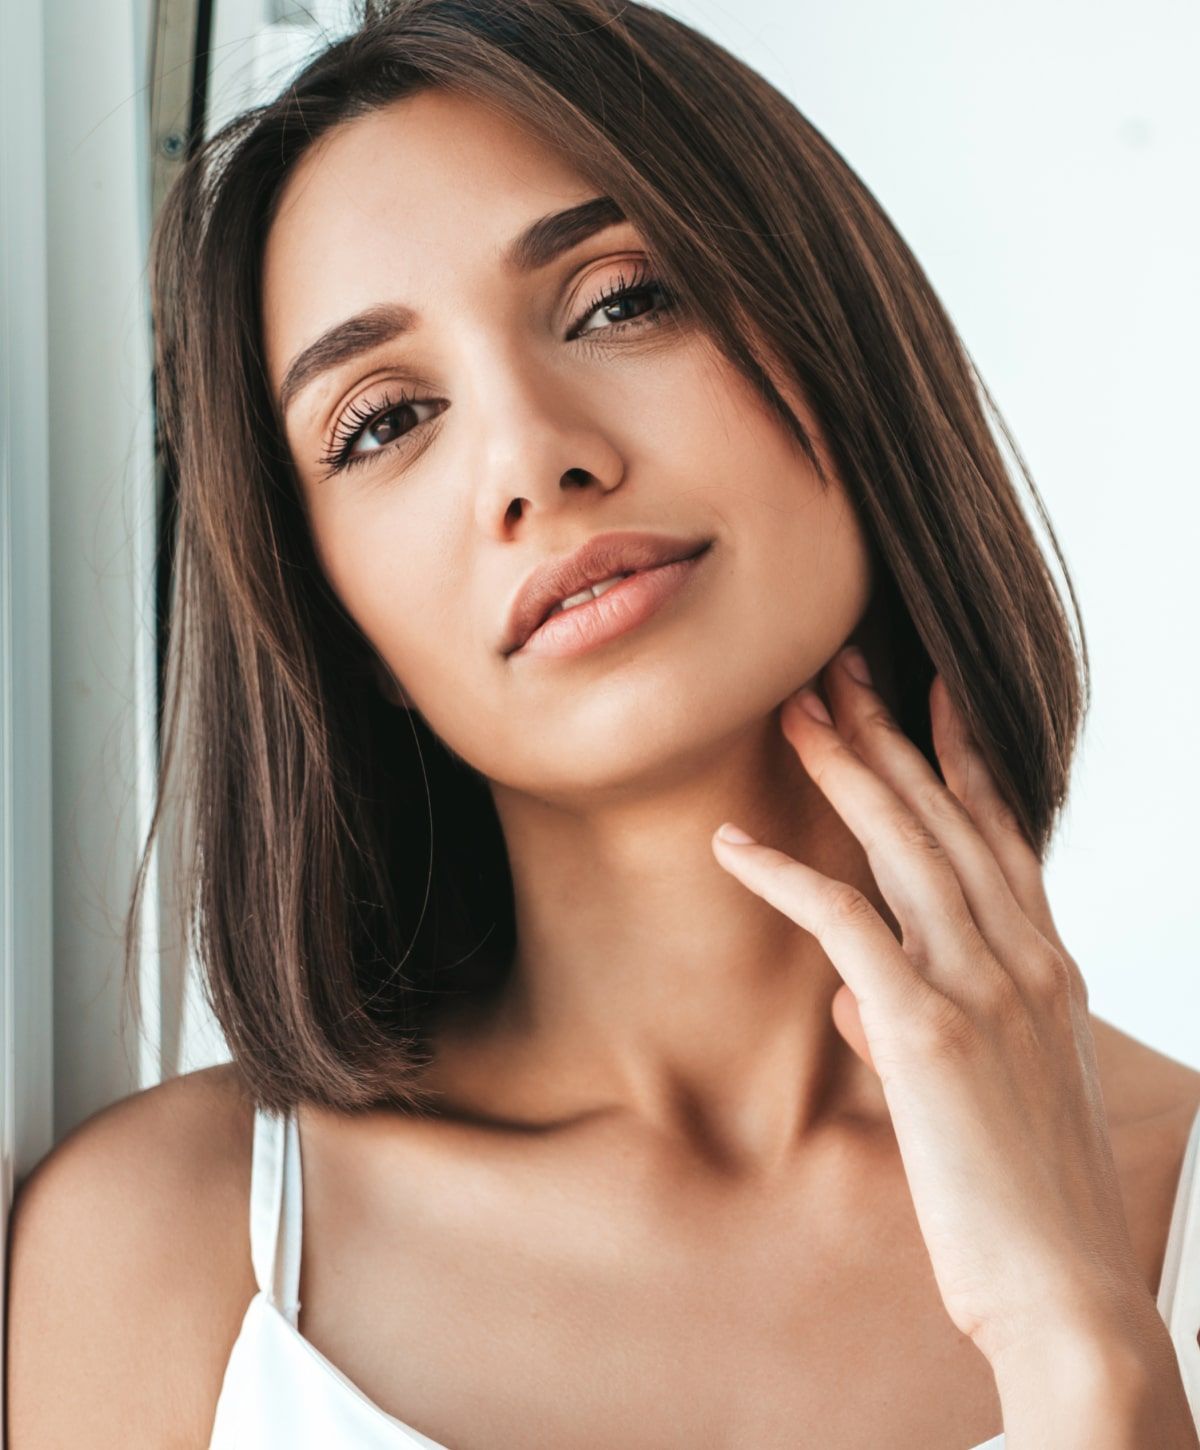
976 1021
664 1203
647 981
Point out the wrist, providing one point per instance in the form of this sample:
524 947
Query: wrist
1114 1388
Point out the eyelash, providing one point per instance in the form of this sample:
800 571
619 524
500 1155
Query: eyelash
356 421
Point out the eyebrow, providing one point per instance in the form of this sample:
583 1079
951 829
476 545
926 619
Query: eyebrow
537 246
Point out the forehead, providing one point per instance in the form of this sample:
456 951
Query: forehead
394 204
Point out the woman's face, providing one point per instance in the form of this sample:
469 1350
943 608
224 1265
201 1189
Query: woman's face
537 420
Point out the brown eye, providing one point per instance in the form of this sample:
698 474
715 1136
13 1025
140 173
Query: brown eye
388 419
625 296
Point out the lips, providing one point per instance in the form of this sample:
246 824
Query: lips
598 559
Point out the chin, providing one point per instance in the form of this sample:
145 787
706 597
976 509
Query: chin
619 744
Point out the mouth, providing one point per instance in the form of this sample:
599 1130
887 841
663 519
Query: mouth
610 608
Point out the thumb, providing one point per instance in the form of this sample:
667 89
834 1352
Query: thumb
844 1010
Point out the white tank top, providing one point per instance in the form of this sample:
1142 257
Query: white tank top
281 1393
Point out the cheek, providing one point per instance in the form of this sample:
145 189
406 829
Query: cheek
388 587
804 566
822 561
797 605
400 581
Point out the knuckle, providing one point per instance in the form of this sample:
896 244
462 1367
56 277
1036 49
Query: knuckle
846 906
778 865
916 835
875 720
942 1029
941 806
1051 977
998 998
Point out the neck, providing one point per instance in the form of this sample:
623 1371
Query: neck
648 981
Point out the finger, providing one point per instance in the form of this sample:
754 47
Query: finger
865 722
971 782
908 862
848 1021
856 939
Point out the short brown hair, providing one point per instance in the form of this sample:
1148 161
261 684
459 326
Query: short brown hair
341 882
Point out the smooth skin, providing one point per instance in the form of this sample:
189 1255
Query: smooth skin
664 1201
976 1022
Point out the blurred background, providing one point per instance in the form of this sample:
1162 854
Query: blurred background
1040 161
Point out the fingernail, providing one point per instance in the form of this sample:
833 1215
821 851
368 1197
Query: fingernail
812 702
729 832
856 665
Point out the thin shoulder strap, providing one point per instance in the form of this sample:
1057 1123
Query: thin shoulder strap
276 1210
1179 1292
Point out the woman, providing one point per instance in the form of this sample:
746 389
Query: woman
615 1130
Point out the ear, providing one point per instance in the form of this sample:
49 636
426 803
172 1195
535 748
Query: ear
389 686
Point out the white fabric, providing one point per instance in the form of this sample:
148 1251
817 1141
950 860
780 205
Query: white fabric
281 1393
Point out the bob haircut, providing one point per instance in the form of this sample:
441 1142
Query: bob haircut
344 877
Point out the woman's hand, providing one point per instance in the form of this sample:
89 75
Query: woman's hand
976 1023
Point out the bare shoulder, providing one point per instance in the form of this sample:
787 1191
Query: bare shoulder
1152 1101
129 1270
1144 1089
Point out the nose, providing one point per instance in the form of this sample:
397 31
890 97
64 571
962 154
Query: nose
543 446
